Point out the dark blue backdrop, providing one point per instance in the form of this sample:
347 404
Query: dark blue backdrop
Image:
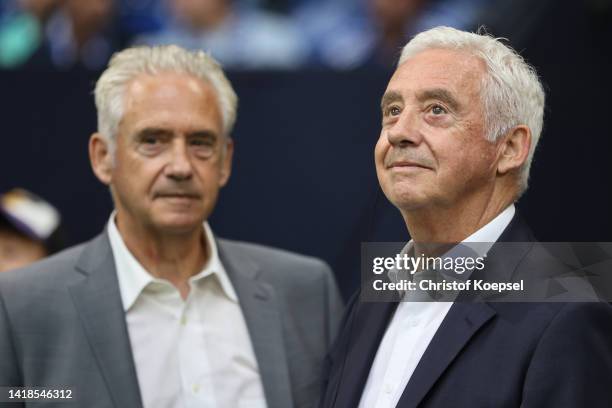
304 177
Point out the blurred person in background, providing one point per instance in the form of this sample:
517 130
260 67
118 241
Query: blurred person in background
22 30
29 229
81 33
68 34
392 18
347 34
240 38
137 17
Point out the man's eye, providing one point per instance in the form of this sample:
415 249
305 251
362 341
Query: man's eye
151 144
202 142
393 111
438 110
150 140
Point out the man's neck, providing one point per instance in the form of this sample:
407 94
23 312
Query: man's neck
173 257
454 223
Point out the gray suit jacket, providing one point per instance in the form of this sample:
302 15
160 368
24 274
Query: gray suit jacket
62 324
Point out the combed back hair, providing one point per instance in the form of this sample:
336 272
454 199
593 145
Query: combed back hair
126 65
511 92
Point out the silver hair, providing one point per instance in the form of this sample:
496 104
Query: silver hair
126 65
511 92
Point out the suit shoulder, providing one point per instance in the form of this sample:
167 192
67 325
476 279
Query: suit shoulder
276 255
581 315
539 318
276 259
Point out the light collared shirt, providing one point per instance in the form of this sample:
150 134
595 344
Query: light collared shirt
188 353
411 329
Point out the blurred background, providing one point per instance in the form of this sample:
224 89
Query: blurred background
309 75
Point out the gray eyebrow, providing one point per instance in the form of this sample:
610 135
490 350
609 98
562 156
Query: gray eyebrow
390 97
152 131
440 94
203 133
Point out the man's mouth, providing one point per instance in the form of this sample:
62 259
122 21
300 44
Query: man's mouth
185 196
407 164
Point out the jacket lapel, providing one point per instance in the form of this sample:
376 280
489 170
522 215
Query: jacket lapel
98 302
368 327
466 317
460 324
261 311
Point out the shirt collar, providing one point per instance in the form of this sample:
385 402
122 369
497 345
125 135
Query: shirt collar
491 232
134 278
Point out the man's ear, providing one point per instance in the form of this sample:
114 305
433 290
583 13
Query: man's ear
226 162
514 149
100 157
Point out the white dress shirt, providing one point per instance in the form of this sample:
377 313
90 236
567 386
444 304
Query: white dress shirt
188 353
411 329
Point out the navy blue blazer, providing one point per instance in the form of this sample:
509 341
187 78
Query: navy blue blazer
487 355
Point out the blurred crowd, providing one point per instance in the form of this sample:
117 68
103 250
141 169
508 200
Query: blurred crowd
30 229
241 34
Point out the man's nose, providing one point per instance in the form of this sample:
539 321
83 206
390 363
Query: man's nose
406 130
179 165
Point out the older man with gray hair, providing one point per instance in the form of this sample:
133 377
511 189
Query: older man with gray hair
157 311
461 118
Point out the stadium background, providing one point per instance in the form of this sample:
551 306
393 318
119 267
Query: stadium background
303 176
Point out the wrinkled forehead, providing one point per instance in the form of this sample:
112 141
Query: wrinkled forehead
165 85
170 98
455 70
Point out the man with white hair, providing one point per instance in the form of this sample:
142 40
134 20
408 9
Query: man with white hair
157 311
461 118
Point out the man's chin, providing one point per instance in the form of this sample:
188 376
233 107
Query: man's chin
407 198
411 203
179 224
